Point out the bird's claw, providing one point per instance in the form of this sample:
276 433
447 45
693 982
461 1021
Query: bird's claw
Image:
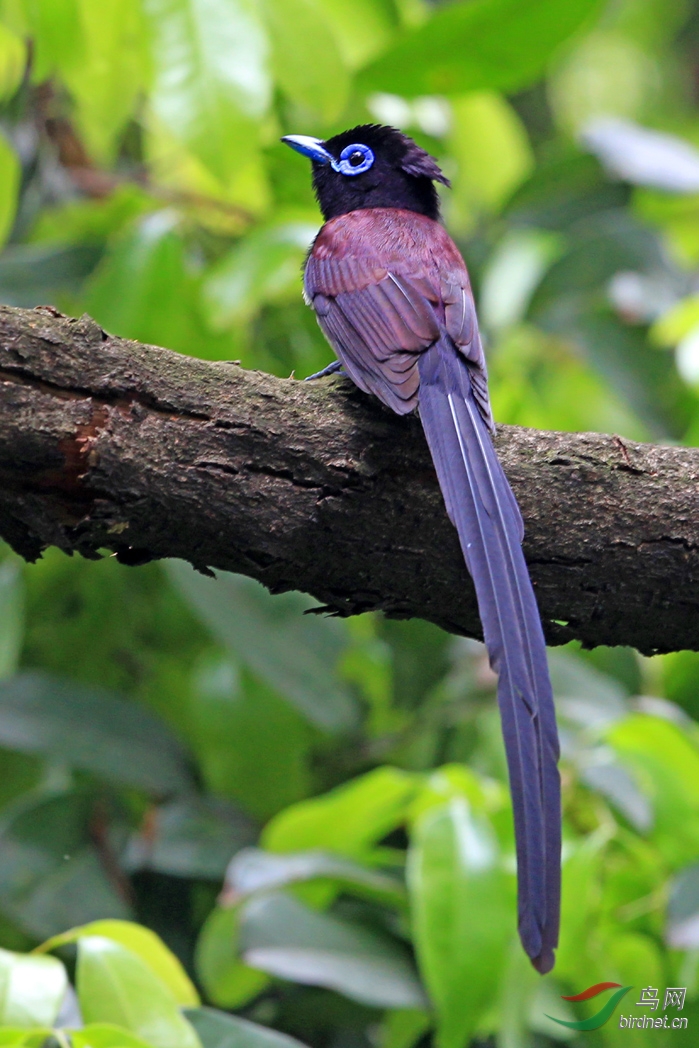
331 369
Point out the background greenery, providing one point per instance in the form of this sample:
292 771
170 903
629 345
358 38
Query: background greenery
159 728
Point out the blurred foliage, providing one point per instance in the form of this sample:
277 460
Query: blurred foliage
313 814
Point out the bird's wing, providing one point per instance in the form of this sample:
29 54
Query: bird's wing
377 321
380 309
402 320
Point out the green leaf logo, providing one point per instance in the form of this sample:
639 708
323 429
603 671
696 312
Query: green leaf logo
600 1017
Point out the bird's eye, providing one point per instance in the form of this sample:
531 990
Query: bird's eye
354 159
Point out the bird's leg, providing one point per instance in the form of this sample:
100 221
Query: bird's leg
331 369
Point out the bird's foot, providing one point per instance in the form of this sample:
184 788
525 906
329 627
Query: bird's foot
331 369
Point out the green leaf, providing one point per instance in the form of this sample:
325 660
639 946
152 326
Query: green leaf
675 217
145 944
492 151
77 628
51 875
252 746
92 730
110 74
142 289
9 187
369 664
402 1028
502 44
348 819
516 999
211 82
680 320
281 936
513 272
90 220
21 774
253 870
299 665
619 353
590 696
632 958
569 397
218 1030
680 680
31 989
116 986
32 274
306 60
105 1035
58 41
463 915
452 781
23 1038
13 60
665 764
225 979
362 29
262 267
11 616
192 837
605 77
226 206
582 873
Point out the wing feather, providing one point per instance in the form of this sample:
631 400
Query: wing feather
379 319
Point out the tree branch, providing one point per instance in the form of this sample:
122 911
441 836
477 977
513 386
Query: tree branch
107 444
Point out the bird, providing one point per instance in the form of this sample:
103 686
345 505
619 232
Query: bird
392 295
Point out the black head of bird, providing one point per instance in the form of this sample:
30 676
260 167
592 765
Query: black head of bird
392 296
371 166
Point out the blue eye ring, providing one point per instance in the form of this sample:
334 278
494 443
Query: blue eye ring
345 166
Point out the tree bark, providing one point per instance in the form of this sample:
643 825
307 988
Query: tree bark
107 444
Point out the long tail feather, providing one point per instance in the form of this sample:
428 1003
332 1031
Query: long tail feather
482 507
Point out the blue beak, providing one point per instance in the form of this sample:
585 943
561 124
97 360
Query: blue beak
310 147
